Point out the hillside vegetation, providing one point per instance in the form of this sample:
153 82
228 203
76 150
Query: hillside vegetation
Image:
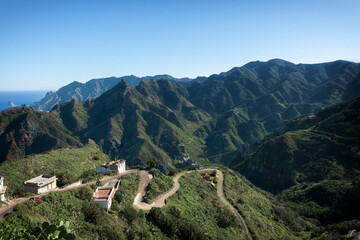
210 120
314 165
194 212
68 164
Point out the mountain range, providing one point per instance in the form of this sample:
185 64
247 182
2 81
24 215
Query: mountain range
291 129
212 119
93 89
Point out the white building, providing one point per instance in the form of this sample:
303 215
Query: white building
116 165
104 196
40 184
2 189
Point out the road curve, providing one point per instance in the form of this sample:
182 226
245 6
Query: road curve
220 193
8 209
159 201
145 179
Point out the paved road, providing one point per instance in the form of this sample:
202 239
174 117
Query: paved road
8 209
159 201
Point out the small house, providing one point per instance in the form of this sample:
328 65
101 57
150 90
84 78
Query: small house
205 176
40 184
2 189
116 165
104 196
312 116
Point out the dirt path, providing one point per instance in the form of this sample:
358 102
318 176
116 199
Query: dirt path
220 193
145 178
8 209
159 201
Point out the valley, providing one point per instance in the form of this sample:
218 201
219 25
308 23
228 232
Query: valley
282 141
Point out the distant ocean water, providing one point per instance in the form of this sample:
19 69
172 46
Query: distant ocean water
20 97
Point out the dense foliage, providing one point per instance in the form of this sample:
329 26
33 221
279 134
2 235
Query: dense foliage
314 165
68 164
159 184
211 119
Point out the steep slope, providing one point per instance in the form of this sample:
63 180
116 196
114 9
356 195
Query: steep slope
314 164
268 87
194 212
25 131
92 89
210 120
144 123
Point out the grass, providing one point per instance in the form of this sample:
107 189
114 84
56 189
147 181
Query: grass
159 184
265 216
70 162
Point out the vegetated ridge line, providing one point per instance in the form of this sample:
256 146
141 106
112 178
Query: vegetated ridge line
159 201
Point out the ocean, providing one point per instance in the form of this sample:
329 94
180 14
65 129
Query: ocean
20 97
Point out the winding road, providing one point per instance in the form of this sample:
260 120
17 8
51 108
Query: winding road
145 178
159 201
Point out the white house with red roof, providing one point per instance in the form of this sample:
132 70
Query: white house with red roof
104 196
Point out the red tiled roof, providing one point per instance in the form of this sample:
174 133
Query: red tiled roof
104 194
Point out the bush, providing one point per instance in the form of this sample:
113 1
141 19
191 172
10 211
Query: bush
225 218
93 213
65 178
84 193
129 213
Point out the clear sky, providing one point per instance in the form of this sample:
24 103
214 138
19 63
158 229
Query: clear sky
46 44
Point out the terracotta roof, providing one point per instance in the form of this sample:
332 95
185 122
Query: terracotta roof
104 193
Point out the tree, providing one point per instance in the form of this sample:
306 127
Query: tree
150 164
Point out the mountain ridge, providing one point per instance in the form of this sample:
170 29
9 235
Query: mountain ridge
209 120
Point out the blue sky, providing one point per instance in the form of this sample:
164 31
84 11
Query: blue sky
48 44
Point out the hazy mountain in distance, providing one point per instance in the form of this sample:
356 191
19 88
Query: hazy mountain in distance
93 89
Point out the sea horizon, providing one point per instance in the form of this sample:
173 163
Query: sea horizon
20 97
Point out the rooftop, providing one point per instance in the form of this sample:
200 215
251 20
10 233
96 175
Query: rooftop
116 162
104 193
41 180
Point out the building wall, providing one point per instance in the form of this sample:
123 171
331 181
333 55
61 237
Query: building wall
104 204
101 169
29 188
122 167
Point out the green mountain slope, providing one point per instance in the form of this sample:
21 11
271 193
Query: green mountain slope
67 163
210 120
92 89
25 131
144 123
314 164
194 212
